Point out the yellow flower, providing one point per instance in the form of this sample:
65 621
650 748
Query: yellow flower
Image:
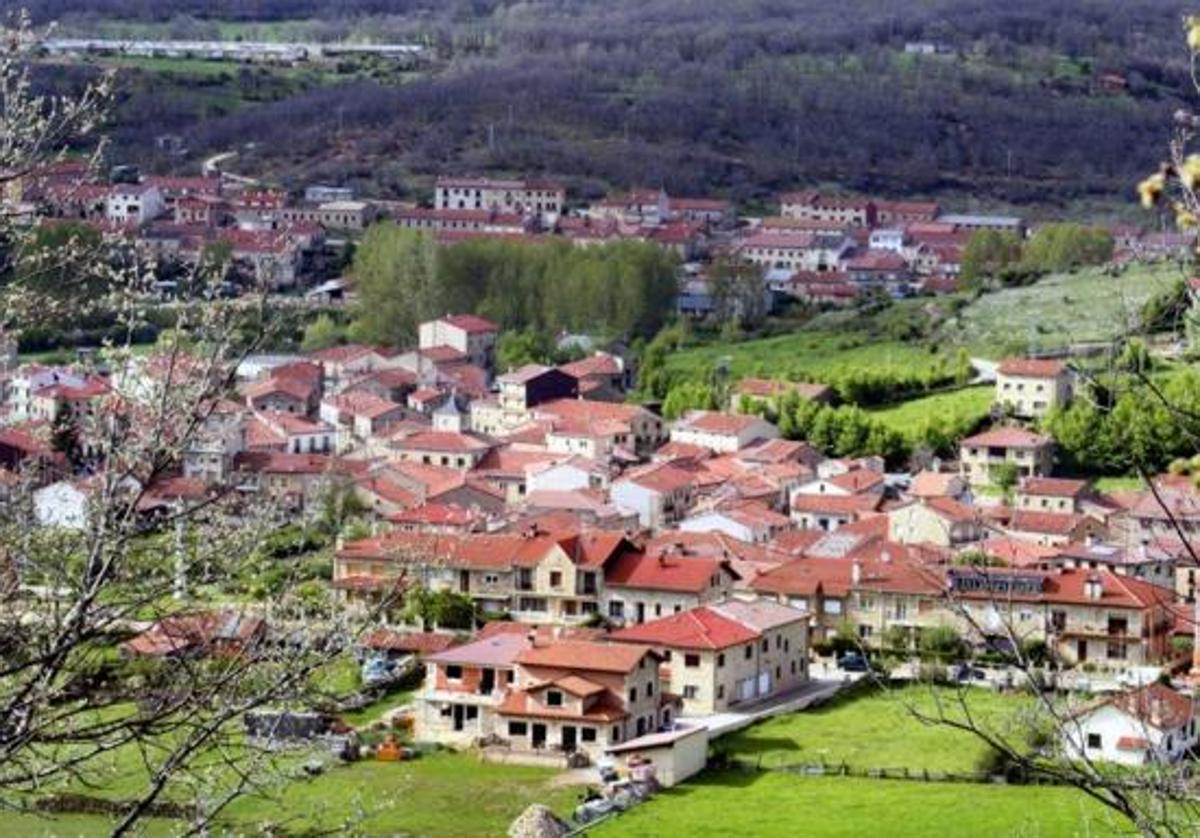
1184 219
1151 189
1193 33
1189 172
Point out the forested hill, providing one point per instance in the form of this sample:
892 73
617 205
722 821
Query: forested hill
1032 100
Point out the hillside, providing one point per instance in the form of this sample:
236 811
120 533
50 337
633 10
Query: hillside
740 98
923 336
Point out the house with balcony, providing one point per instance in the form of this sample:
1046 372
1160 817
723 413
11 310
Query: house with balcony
1030 453
580 696
463 686
535 576
721 655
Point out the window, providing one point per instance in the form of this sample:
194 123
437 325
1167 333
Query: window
690 691
865 631
721 660
749 652
691 661
650 688
587 734
632 694
453 672
616 734
1093 741
720 691
553 698
833 606
472 712
616 609
556 579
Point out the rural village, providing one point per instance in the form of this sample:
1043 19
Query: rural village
622 588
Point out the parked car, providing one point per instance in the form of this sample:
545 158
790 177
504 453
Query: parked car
854 662
964 672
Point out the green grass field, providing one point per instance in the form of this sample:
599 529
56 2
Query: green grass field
1059 310
779 804
960 408
804 354
879 730
442 795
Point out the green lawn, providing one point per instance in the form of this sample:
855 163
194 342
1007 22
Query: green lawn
805 354
444 794
1118 484
958 409
776 803
1060 309
879 730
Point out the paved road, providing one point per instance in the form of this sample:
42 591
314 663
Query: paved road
985 371
790 702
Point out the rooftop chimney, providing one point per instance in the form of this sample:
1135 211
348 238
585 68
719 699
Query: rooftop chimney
856 572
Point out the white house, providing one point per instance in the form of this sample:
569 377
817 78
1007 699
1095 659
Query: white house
749 522
725 433
134 203
569 475
659 494
1150 724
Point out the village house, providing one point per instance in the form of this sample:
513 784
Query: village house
598 430
813 206
941 521
286 432
727 653
1152 724
295 483
1031 454
535 576
584 696
660 493
475 337
601 376
544 199
1052 528
665 580
721 432
1051 494
133 204
747 521
464 685
1031 387
1150 562
359 417
446 448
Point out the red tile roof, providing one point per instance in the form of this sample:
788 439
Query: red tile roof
1056 486
697 628
1156 705
1008 437
471 323
1032 367
669 572
1049 523
586 656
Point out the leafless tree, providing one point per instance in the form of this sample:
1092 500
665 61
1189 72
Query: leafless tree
80 711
